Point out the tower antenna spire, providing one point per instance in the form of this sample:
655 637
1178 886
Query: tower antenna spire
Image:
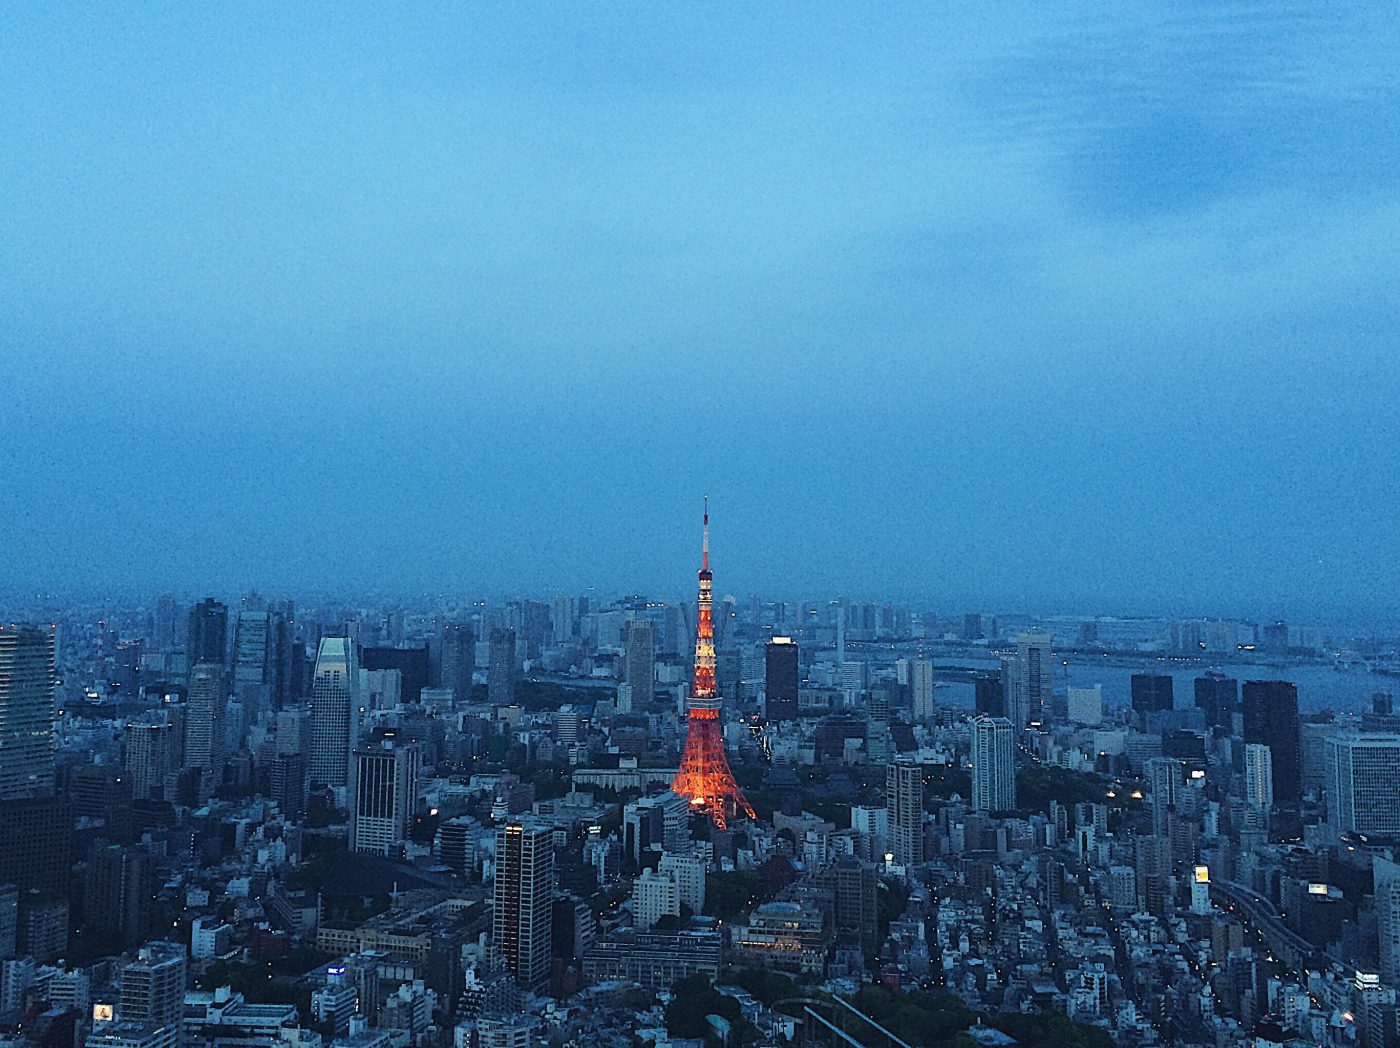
705 541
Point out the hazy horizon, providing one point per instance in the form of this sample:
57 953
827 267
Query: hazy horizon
1088 308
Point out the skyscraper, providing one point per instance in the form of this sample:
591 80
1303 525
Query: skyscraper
204 717
989 694
993 764
26 711
1151 693
1363 787
904 807
1386 876
385 790
458 659
150 757
207 639
501 667
639 661
1029 679
522 899
1218 696
1271 717
780 678
254 645
334 711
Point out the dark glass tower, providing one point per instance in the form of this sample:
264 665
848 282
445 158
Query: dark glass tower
780 677
1271 718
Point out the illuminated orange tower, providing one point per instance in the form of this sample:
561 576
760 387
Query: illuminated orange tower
704 775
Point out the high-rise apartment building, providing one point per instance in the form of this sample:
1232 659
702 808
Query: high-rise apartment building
501 667
1165 778
1386 875
26 711
1258 776
385 795
334 711
993 764
654 895
1363 786
1271 717
204 717
522 899
920 680
207 639
904 806
780 679
151 749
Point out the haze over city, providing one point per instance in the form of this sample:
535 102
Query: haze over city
1059 309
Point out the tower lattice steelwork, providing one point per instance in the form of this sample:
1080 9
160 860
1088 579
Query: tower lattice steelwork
704 776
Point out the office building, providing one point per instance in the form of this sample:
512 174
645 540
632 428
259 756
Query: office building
1271 717
689 873
334 711
458 660
522 898
255 637
1218 697
1363 788
384 798
1085 705
1028 678
207 639
26 711
152 990
993 764
287 783
780 679
501 668
904 807
1258 776
989 693
639 661
204 717
1386 876
656 960
9 921
412 663
654 895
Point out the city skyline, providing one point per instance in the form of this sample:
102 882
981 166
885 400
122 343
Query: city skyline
1092 307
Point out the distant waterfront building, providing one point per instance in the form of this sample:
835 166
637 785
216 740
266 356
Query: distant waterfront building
780 679
334 711
904 805
26 711
1218 697
1271 717
1151 693
501 668
1258 776
993 764
385 795
522 899
1363 794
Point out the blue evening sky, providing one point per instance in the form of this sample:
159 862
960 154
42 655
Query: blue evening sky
1052 306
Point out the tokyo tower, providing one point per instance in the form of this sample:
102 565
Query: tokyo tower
704 775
